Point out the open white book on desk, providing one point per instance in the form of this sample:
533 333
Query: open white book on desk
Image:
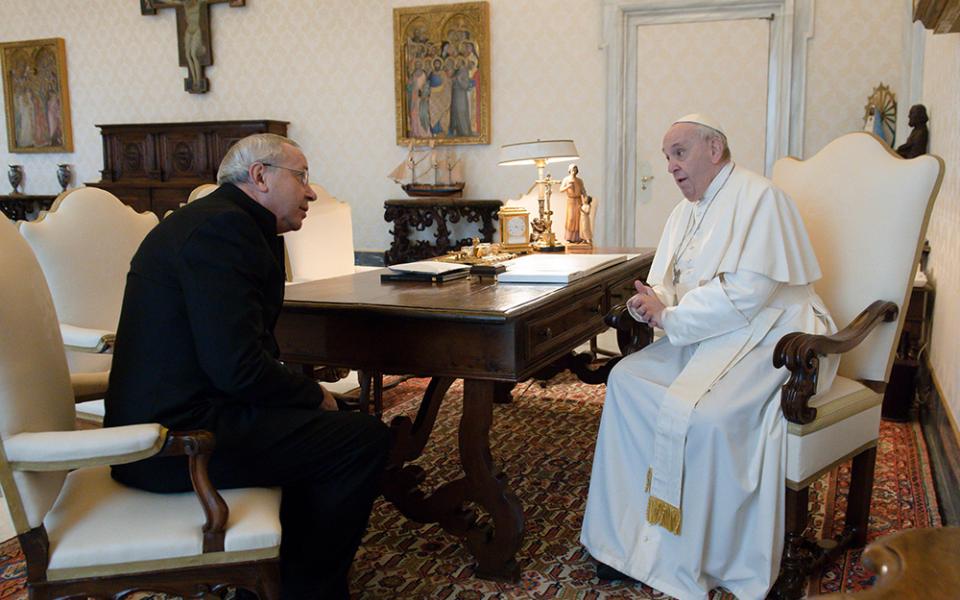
556 268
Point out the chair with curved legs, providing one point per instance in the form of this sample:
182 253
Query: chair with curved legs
82 533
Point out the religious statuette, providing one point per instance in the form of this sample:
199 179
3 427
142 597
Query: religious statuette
63 176
193 35
514 229
15 175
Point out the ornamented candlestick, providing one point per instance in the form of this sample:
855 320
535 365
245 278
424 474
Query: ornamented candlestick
63 176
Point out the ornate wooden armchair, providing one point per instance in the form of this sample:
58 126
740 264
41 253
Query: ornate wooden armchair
82 533
866 212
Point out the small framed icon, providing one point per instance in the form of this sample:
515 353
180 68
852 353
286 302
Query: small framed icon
514 229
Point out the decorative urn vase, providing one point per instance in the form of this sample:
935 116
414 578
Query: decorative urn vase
63 176
15 175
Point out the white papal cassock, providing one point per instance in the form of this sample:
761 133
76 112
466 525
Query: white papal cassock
687 489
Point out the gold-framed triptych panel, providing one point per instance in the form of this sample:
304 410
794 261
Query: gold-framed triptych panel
442 73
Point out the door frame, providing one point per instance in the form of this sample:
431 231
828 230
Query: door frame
786 83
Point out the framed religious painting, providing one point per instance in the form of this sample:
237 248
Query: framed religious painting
441 56
35 96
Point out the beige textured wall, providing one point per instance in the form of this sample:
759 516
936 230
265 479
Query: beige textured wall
941 89
856 45
327 67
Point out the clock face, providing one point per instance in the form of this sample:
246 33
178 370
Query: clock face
516 227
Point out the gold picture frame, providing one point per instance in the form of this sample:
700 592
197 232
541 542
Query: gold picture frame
35 96
441 56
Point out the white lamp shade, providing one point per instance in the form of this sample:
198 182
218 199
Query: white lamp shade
528 153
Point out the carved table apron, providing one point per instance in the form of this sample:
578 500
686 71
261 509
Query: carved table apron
489 334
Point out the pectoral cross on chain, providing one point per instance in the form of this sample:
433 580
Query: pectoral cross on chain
193 33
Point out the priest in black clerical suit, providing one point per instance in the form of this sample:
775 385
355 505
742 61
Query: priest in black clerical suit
195 350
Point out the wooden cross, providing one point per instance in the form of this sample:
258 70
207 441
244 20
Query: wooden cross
193 33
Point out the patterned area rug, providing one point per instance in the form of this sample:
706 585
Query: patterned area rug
544 442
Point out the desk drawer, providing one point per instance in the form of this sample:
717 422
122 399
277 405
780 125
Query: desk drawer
582 314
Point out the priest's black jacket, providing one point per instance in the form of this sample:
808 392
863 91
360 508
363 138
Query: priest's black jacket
195 347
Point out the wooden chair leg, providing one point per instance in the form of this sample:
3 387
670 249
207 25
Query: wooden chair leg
858 501
793 566
269 576
368 380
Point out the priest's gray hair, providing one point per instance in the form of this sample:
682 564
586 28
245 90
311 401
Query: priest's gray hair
259 147
709 133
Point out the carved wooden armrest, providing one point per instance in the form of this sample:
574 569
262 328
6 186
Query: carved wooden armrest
800 353
632 335
198 446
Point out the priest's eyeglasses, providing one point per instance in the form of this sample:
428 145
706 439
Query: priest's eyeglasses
303 175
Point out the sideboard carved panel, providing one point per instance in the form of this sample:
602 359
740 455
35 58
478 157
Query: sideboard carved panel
154 166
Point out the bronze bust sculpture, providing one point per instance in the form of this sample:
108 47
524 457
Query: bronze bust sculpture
916 143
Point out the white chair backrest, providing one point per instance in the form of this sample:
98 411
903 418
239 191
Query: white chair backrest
866 211
35 391
201 190
84 245
323 247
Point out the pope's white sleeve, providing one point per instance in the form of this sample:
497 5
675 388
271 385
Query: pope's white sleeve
725 303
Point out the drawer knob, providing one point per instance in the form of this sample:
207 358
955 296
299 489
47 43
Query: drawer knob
546 333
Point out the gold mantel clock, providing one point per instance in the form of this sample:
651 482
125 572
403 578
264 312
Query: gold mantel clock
514 229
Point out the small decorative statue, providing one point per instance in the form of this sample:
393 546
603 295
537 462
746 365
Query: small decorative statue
586 222
576 199
916 143
63 176
15 175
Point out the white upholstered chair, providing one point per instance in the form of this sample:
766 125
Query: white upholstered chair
200 191
866 211
81 532
84 244
323 247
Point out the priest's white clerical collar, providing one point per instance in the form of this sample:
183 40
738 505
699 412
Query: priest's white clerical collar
714 188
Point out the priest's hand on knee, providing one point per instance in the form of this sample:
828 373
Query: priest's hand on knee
329 402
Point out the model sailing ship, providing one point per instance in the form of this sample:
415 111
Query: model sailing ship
414 171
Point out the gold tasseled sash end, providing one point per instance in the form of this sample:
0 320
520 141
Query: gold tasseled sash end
646 489
663 514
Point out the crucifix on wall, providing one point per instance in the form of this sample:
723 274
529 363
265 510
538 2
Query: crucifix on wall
193 34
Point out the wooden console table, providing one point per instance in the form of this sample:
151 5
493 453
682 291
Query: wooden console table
154 166
487 333
422 213
16 206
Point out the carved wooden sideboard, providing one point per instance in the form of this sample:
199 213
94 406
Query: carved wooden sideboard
423 213
154 166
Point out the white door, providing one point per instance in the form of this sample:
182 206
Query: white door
717 67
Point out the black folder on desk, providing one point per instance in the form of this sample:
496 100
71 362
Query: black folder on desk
427 277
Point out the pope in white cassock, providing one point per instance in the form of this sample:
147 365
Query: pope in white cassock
687 489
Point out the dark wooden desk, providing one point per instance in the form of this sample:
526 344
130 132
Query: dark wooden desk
489 334
16 206
423 213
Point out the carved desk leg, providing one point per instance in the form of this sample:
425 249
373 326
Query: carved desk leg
494 547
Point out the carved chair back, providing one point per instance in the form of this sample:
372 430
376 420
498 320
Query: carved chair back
84 245
866 211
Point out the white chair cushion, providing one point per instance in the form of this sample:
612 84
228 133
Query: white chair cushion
99 525
323 246
848 420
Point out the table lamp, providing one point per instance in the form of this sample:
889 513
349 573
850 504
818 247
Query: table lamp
540 153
